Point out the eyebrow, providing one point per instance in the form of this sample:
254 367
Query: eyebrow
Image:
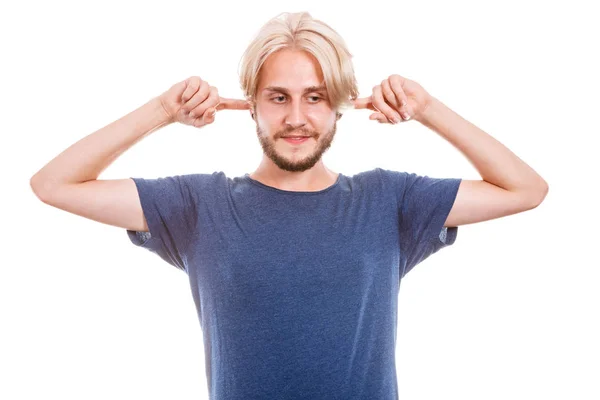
284 90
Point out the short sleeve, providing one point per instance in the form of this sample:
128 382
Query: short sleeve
169 207
424 205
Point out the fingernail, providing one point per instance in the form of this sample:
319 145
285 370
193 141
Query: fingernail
396 120
406 116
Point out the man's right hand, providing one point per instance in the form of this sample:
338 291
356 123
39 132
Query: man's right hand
194 102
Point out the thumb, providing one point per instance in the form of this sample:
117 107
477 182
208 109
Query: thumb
209 115
378 117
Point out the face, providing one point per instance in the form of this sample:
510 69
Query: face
291 100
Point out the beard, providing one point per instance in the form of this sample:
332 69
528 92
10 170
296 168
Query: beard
323 143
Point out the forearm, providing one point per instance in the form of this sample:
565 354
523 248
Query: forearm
87 158
494 162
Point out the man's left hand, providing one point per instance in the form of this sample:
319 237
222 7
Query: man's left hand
397 99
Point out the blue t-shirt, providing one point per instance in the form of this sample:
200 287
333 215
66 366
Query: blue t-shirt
297 292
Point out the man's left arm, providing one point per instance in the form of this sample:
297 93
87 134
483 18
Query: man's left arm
509 185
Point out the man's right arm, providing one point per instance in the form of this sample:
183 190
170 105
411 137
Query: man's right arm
69 181
111 201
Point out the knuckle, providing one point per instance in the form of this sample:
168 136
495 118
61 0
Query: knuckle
200 109
191 87
196 80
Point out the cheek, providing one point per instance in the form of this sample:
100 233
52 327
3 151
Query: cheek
264 123
266 127
326 121
265 115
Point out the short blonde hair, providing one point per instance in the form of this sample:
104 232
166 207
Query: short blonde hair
301 31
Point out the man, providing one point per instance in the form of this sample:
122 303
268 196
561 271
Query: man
294 268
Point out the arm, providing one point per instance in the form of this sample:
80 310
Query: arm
69 182
509 185
87 158
495 163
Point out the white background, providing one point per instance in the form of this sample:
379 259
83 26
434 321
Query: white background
510 311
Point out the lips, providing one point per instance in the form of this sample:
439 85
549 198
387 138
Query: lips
298 140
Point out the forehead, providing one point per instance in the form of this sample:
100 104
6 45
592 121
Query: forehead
290 71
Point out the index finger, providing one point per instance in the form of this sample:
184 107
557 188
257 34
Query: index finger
232 104
362 103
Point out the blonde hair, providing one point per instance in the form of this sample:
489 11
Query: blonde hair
301 31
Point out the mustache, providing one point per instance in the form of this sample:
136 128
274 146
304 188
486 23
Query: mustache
293 132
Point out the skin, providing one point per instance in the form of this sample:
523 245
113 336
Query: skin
290 166
508 186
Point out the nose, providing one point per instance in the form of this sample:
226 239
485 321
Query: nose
295 117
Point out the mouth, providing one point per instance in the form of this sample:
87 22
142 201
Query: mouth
295 139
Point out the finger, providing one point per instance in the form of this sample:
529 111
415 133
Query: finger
192 85
204 119
384 107
232 104
363 103
379 117
197 99
209 115
198 122
211 101
401 97
388 94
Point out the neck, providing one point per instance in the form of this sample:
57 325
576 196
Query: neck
317 178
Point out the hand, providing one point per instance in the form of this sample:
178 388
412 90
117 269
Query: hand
396 99
194 102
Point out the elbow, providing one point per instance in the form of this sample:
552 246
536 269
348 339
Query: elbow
539 195
38 189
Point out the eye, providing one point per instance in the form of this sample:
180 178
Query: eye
282 97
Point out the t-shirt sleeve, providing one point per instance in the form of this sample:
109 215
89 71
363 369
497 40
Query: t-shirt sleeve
169 207
424 204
